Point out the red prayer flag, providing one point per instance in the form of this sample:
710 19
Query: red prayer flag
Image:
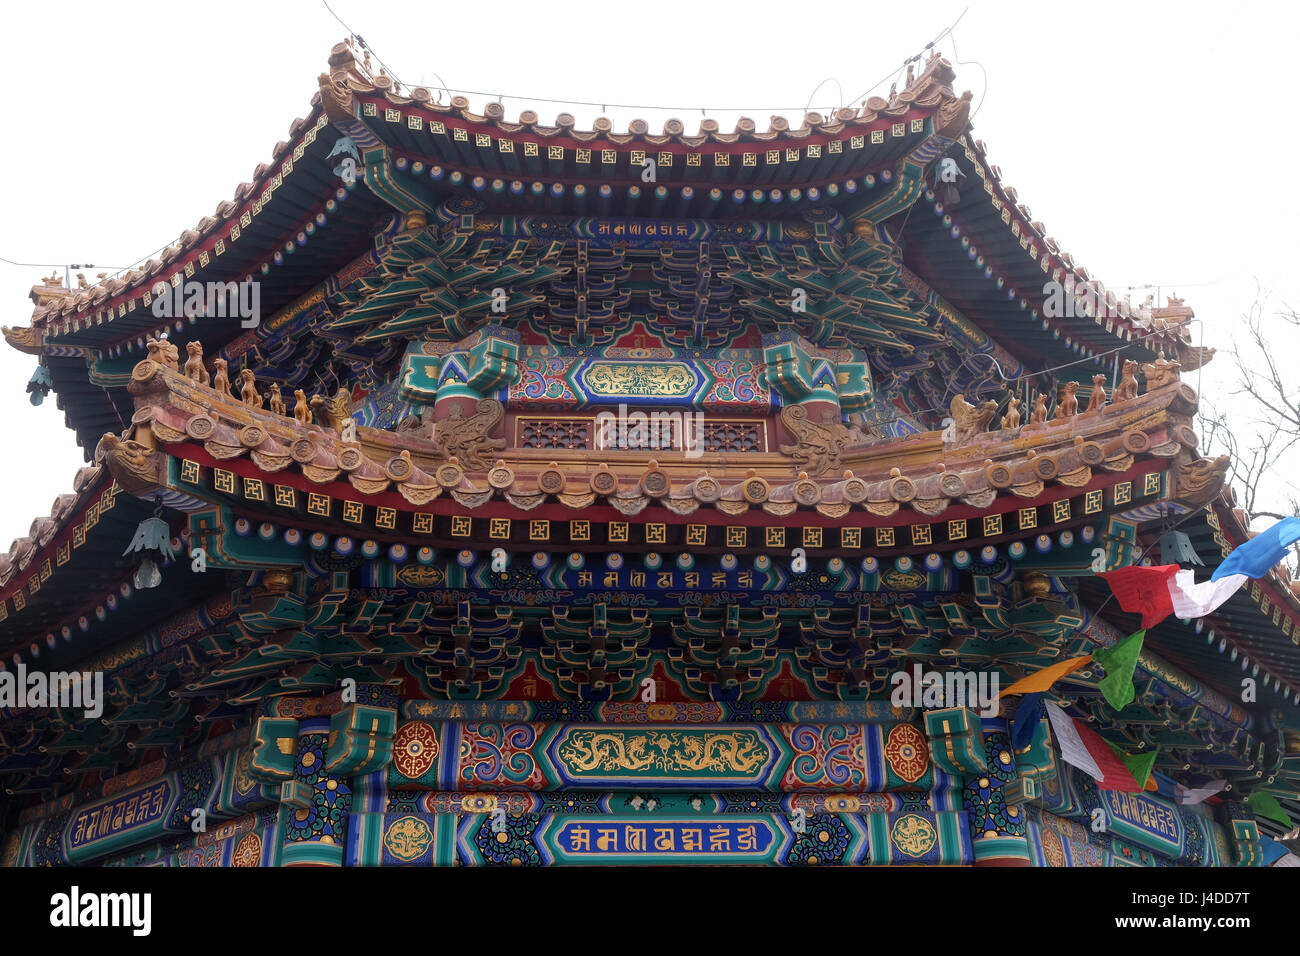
1115 776
1144 591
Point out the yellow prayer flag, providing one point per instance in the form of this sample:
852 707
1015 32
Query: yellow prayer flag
1040 681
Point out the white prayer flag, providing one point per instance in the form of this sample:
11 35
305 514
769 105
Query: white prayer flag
1073 750
1186 795
1197 600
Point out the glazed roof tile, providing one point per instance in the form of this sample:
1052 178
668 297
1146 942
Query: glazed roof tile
934 474
23 550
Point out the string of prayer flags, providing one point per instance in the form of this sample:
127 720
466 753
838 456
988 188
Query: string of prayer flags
1085 749
1157 592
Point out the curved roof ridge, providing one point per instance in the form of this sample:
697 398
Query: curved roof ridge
25 549
1146 319
349 76
931 89
88 295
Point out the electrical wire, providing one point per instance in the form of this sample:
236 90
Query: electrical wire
1101 355
56 265
958 61
829 79
1173 285
538 99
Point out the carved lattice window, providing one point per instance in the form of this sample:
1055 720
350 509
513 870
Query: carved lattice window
651 435
733 436
548 433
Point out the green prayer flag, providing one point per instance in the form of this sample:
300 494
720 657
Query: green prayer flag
1265 805
1140 765
1120 661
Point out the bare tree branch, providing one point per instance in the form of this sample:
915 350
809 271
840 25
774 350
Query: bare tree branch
1260 424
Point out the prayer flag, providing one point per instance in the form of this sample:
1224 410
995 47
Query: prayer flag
1066 732
1256 556
1191 599
1265 805
1139 765
1191 795
1114 774
1144 591
1120 660
1042 680
1025 721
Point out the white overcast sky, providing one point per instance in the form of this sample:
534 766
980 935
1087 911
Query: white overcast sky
1154 140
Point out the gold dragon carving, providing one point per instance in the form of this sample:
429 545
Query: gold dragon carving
134 465
817 447
740 751
334 411
468 439
970 420
1198 480
24 339
336 97
954 116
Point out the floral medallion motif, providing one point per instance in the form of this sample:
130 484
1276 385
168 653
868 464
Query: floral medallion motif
825 840
248 852
907 752
1053 852
414 749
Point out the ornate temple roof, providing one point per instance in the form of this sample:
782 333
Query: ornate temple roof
449 199
289 227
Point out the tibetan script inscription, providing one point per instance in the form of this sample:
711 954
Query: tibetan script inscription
651 228
1144 820
116 816
665 838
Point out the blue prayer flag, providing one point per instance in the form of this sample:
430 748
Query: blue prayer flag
1273 851
1261 552
1025 721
